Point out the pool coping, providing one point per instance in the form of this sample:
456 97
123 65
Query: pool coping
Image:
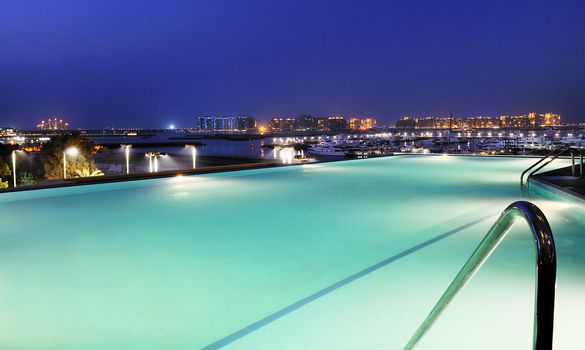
556 190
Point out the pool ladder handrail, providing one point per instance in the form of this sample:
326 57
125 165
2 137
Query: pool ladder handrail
546 269
550 157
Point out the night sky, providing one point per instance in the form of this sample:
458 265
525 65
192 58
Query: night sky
142 63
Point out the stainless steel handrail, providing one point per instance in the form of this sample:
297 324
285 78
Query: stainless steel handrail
527 186
546 271
551 154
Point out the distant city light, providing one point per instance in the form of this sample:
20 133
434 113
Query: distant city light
172 127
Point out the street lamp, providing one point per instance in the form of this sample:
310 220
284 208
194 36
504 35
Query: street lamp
153 163
14 166
193 154
71 151
127 151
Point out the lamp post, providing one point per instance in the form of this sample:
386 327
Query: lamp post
127 151
71 151
149 155
14 167
153 163
193 154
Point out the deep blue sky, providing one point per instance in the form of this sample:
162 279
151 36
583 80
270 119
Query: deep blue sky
149 63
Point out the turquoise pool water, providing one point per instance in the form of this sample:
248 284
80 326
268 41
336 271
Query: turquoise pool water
345 255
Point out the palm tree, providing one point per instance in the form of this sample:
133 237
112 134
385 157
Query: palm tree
85 172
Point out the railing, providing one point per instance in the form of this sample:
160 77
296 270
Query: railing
550 157
546 270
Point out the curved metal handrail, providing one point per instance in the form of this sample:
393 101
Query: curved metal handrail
571 150
559 151
550 160
546 270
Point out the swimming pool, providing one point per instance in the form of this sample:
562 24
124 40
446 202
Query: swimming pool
344 255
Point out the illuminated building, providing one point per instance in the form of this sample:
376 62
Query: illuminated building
505 121
430 123
532 119
53 124
362 124
336 123
425 123
480 123
7 132
322 124
369 123
281 125
407 123
514 121
225 123
305 122
550 119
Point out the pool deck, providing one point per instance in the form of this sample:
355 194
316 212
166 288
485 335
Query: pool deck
562 180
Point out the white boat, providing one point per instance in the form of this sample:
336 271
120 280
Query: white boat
326 149
573 141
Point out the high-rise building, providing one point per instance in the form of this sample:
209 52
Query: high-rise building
550 119
529 120
280 124
336 123
322 124
514 121
306 122
53 124
225 123
355 123
480 123
407 123
533 120
426 123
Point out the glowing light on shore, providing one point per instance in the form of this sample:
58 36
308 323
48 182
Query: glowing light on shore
14 166
72 152
153 161
127 151
193 154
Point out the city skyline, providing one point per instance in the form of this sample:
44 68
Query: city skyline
354 122
150 64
